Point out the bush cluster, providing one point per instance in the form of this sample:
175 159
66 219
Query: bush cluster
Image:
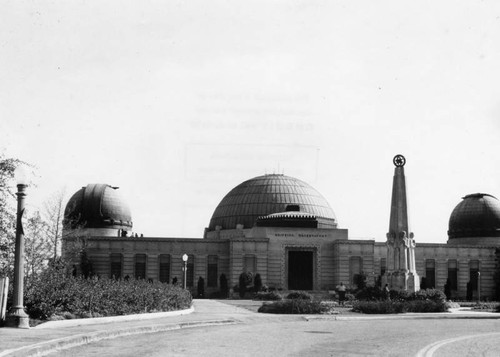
370 293
267 295
301 295
374 293
396 307
54 293
486 306
373 301
295 306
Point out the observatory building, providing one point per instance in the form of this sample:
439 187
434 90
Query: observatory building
283 229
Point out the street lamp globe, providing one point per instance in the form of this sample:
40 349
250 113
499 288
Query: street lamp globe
21 175
185 258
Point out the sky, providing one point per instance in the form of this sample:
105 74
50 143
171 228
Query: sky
177 102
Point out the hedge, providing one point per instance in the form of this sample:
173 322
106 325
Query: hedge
396 307
302 295
269 295
295 306
54 293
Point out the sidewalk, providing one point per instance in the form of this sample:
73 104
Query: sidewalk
59 334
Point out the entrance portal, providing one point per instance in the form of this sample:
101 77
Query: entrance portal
300 270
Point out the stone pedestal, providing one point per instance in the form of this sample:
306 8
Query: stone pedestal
402 280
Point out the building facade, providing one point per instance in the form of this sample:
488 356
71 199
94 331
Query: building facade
283 229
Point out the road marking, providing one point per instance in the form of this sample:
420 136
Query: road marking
428 351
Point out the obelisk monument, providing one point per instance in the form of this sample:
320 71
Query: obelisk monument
401 273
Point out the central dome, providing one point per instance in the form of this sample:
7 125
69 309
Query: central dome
264 195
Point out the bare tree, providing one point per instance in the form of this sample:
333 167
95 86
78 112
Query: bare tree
53 215
38 246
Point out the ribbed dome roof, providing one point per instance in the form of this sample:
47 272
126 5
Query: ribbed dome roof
264 195
97 206
478 215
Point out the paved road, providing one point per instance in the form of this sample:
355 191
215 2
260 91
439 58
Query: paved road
272 335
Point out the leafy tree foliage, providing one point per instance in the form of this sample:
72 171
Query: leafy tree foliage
7 213
42 231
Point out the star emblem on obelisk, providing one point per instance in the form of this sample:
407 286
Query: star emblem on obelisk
399 160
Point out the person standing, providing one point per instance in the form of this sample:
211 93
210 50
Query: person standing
341 290
387 292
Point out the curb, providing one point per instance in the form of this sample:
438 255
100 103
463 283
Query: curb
401 317
110 319
44 348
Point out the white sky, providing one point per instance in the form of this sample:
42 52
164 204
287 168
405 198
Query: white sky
177 102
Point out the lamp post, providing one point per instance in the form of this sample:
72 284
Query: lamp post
185 260
17 317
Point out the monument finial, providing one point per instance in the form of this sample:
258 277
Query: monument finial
399 160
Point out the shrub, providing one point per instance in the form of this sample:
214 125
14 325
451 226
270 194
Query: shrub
429 294
244 280
295 306
425 306
55 293
350 297
378 307
375 293
401 295
488 306
396 307
224 289
370 293
267 295
257 283
301 295
360 280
